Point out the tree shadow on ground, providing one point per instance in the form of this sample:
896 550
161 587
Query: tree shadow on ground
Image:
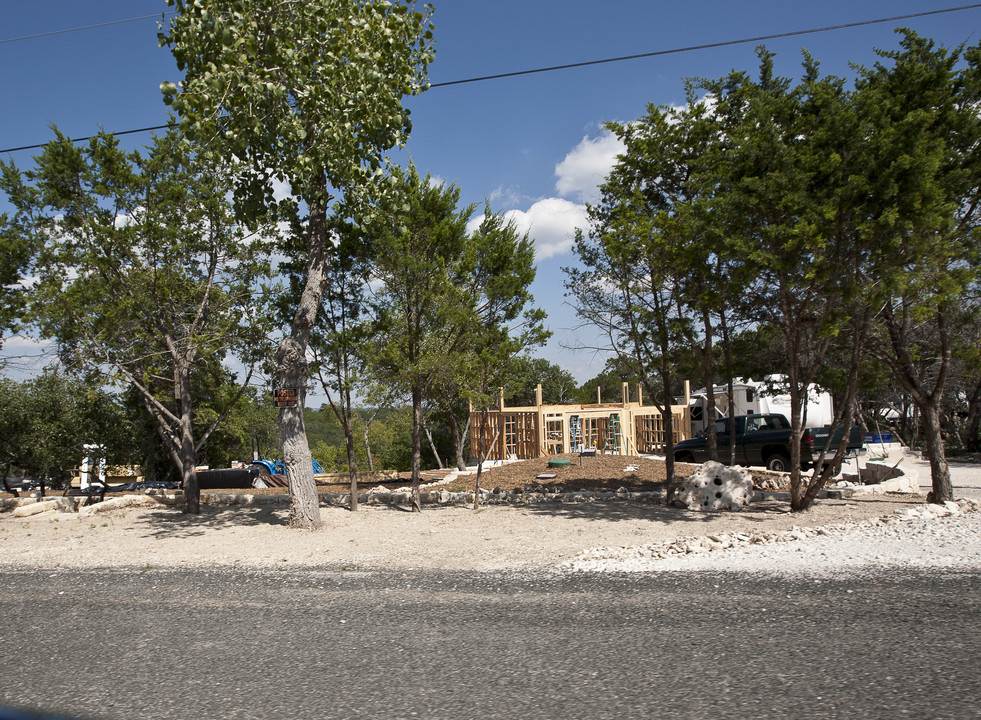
174 523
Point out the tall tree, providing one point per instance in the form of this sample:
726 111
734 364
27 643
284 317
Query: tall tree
924 133
142 270
499 267
422 314
339 339
789 179
310 94
448 303
640 242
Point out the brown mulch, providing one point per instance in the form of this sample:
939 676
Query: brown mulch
598 473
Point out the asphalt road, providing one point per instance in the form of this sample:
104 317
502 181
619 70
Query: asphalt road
334 644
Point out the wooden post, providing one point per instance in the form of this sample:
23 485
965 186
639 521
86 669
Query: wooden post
686 414
540 421
500 399
625 394
640 394
599 397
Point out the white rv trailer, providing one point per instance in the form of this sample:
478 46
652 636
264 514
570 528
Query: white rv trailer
765 396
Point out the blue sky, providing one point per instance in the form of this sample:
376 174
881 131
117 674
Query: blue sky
532 145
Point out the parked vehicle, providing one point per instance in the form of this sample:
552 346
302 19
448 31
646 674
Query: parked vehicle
754 397
763 440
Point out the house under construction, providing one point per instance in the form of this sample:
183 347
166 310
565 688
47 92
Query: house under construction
617 428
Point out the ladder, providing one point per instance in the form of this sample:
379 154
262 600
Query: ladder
575 434
612 442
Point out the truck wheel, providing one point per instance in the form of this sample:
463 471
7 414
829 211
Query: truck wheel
778 462
684 457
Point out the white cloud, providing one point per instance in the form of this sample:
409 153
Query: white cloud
551 223
281 189
586 166
506 195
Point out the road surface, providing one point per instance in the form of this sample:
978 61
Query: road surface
345 644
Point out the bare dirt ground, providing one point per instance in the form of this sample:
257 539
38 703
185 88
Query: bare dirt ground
495 537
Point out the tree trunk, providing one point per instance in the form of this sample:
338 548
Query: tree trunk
189 478
432 445
416 447
942 489
481 455
927 400
730 392
297 460
367 443
352 464
709 380
667 422
458 439
292 372
845 419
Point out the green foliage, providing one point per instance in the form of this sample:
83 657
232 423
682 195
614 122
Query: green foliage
526 373
309 94
610 383
451 307
300 91
142 273
422 312
815 215
45 421
389 435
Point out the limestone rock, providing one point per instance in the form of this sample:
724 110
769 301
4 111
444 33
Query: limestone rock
717 487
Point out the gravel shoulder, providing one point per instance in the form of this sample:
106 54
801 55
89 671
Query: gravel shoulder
544 537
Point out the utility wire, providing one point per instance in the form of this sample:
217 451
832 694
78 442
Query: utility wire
84 27
587 63
707 46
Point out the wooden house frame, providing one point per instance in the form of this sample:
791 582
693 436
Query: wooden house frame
620 428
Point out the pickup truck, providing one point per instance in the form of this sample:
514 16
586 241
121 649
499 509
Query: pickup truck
763 440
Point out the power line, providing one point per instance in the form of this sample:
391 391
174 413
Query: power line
84 27
707 46
622 58
92 137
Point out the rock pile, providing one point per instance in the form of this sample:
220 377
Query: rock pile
645 558
717 487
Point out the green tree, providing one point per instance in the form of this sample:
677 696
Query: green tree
526 373
610 382
421 311
450 305
338 342
16 252
46 421
307 93
633 260
789 175
923 132
142 272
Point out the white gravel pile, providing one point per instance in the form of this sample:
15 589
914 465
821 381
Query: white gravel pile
929 536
